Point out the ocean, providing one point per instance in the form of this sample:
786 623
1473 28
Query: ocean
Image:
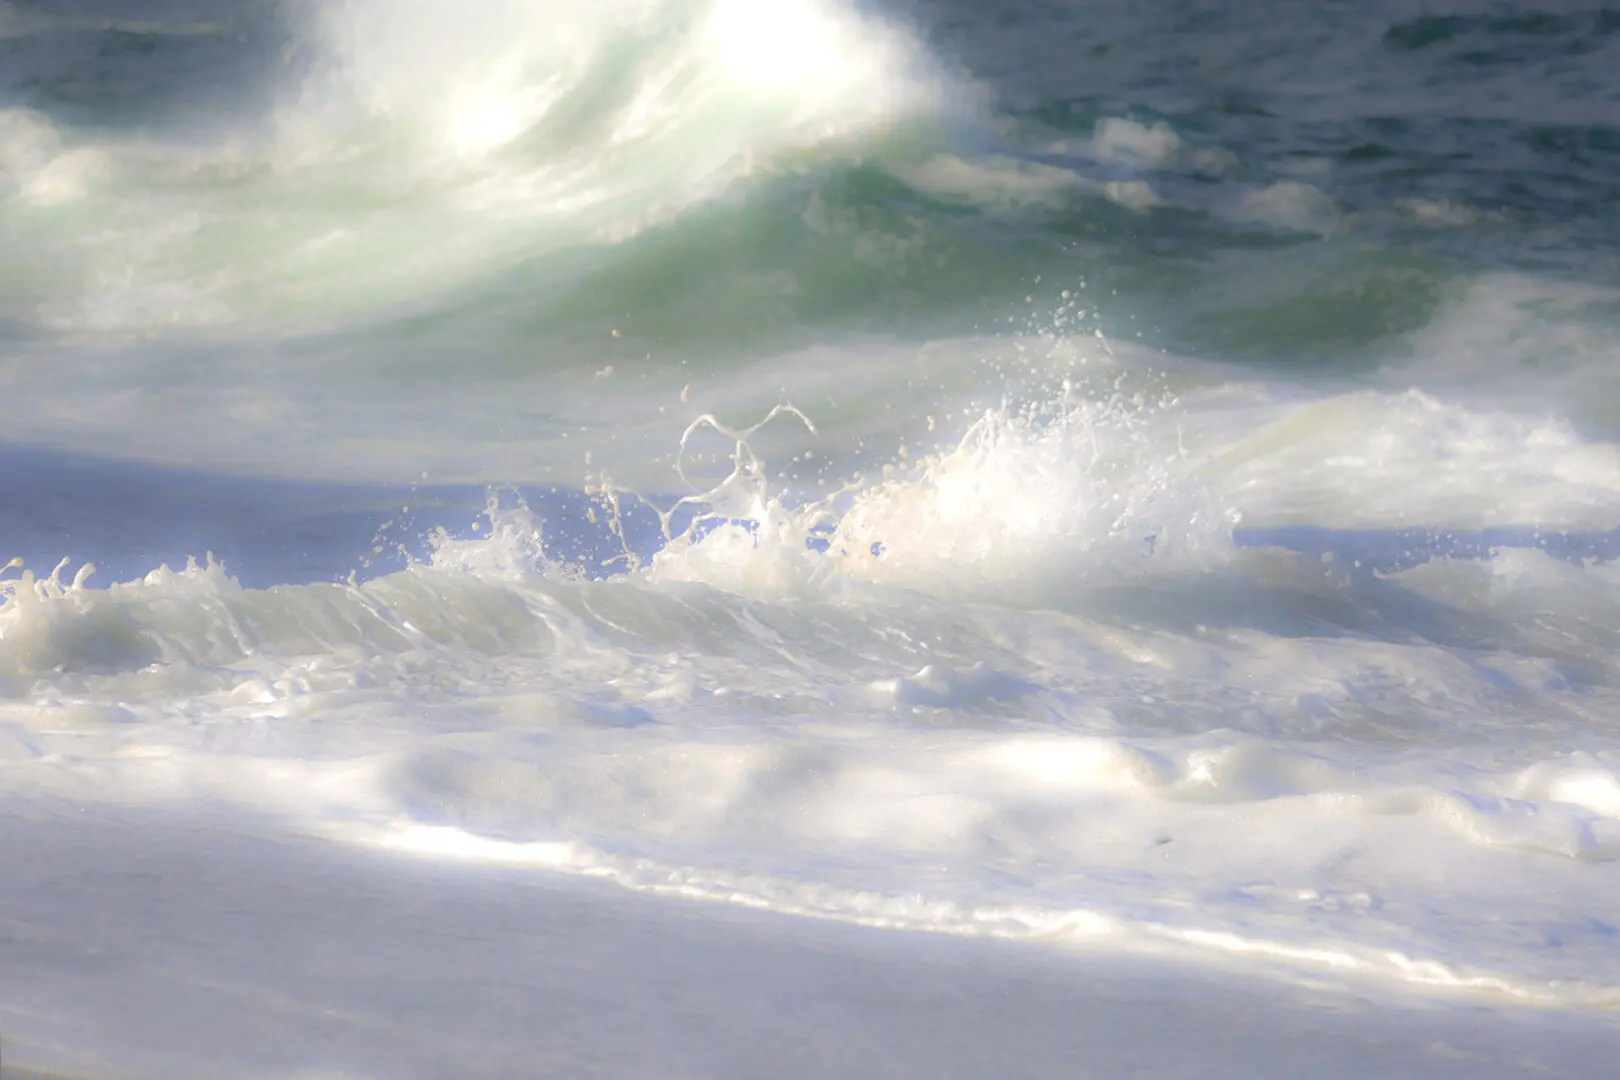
1135 479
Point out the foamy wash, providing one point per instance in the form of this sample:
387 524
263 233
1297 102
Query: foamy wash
1136 478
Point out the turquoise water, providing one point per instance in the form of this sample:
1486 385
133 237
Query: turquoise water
1134 474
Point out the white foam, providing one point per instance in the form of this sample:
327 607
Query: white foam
1078 494
1085 809
26 139
1505 339
523 127
1132 194
703 80
1153 146
1580 781
1291 205
855 751
39 167
1027 502
800 47
1426 463
1030 689
998 184
1119 139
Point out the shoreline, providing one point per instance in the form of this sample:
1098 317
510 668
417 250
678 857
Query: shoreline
177 945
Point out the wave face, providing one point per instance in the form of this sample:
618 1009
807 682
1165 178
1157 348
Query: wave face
1097 475
397 151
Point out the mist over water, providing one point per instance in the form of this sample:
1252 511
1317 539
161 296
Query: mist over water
1141 476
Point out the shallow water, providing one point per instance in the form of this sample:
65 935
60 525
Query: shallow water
1136 475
